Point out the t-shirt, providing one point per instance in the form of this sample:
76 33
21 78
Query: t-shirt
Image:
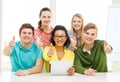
69 55
43 36
22 59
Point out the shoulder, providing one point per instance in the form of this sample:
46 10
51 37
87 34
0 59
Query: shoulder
35 47
69 34
18 44
68 51
99 42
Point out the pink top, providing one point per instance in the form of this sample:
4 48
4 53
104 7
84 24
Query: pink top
43 36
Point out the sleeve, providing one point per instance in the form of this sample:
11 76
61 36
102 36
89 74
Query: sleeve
39 53
77 63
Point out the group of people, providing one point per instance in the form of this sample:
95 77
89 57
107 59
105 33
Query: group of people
46 43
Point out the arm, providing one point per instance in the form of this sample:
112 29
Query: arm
8 48
36 69
77 64
80 69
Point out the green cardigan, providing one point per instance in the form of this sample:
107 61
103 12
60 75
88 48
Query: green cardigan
96 59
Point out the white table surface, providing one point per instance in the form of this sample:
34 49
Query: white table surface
46 77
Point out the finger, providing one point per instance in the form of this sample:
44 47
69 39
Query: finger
14 38
51 45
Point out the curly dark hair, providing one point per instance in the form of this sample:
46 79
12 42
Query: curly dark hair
60 27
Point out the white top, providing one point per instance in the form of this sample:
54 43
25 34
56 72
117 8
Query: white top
46 77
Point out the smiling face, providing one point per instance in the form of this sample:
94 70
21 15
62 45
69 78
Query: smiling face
76 23
46 18
60 38
26 35
90 35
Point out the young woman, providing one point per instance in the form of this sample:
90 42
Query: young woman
59 51
42 33
76 31
91 56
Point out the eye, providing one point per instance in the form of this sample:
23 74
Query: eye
49 16
87 33
44 17
93 34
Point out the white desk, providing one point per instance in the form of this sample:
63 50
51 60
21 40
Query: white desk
45 77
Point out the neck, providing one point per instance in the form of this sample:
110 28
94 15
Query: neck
60 52
25 45
59 48
46 28
88 47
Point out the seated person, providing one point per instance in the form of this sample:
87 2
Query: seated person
58 50
25 56
91 56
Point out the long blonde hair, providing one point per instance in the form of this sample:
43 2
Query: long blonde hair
82 31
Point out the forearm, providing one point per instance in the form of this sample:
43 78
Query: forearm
79 69
36 69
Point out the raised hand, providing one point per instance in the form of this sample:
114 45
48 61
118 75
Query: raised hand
73 43
50 51
107 47
8 48
12 42
39 43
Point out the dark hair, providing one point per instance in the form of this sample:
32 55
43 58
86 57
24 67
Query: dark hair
43 9
60 27
26 25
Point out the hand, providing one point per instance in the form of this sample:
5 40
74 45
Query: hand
71 71
12 42
90 72
107 48
22 73
50 51
73 43
39 43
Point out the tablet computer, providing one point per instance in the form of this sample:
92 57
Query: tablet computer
60 67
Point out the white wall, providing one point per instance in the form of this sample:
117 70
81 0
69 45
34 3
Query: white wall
14 14
95 11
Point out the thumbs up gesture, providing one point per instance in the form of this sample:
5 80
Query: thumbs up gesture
8 48
50 51
12 42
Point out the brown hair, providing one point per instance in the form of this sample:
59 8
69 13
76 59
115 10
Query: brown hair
90 26
43 9
26 25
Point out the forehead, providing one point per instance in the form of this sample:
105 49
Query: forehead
26 30
91 30
46 13
76 18
60 32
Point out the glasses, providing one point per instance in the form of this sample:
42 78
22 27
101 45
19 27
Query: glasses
57 37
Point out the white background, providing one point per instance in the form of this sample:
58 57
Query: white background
17 12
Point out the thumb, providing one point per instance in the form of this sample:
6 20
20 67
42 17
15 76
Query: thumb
51 45
14 38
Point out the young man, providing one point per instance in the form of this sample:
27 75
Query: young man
25 56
